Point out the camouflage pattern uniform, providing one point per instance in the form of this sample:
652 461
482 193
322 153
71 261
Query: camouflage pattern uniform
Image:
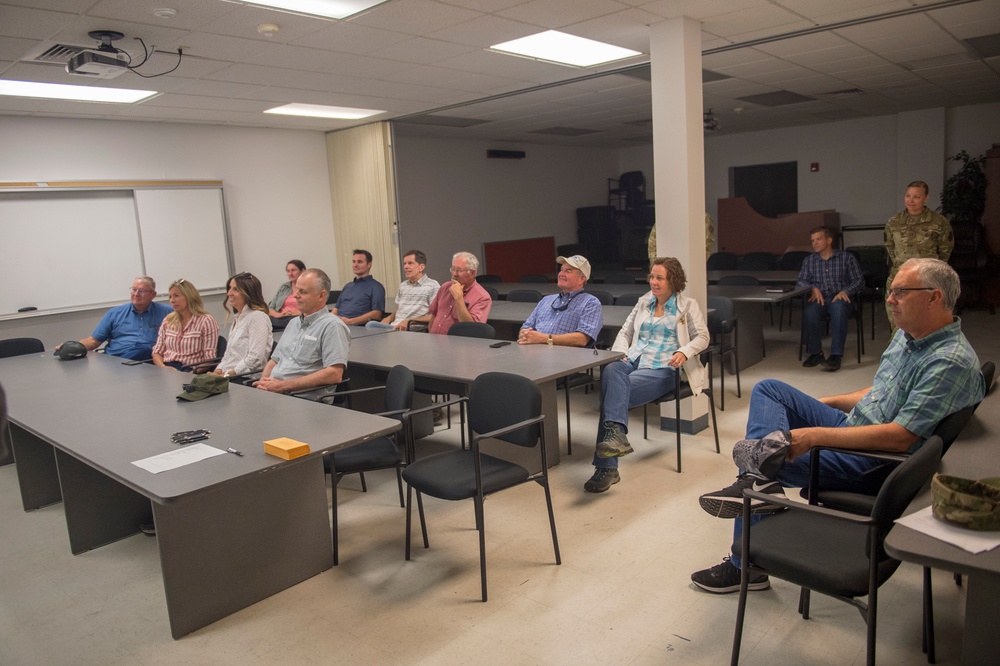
709 240
906 237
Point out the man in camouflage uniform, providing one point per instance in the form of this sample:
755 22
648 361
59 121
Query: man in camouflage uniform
709 240
916 232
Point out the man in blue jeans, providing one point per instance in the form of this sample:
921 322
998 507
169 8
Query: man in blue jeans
835 279
928 371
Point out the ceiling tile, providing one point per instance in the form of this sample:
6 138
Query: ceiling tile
415 17
191 14
32 23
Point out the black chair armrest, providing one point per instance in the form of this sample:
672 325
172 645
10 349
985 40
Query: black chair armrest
510 428
799 506
814 453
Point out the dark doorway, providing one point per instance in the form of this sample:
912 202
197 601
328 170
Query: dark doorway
770 189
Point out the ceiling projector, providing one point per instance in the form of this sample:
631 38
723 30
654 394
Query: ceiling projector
97 64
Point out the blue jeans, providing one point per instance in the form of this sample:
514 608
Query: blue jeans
378 324
624 386
812 325
775 405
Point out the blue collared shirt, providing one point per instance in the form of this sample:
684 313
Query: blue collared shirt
582 313
656 342
131 334
840 272
360 296
919 382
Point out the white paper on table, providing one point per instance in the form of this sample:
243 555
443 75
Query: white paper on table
969 540
179 458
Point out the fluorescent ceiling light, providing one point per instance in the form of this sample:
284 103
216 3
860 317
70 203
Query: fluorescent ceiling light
319 111
73 93
564 49
337 9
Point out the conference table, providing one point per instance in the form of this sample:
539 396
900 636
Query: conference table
231 529
507 317
974 455
749 304
450 364
764 277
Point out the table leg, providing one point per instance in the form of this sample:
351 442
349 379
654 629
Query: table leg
99 509
233 545
982 624
751 333
36 469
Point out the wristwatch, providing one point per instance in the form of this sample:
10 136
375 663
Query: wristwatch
551 342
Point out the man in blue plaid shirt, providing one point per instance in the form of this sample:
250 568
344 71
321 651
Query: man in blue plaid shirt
570 318
835 278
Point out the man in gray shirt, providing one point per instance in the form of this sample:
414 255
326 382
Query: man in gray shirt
313 350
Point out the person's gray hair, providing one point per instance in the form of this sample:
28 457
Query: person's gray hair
938 275
150 282
322 279
470 260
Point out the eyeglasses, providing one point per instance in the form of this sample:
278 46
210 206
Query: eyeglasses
899 292
133 290
459 270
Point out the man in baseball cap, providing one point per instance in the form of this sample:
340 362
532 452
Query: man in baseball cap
570 318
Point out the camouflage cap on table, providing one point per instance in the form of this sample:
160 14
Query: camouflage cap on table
974 505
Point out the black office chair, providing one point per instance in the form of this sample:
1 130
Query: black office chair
501 406
758 261
524 296
494 294
472 329
20 347
208 365
857 316
723 324
681 390
605 297
486 278
792 260
834 553
332 298
722 261
749 281
534 278
628 299
374 454
873 260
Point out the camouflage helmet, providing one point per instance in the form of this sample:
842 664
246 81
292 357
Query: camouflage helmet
974 505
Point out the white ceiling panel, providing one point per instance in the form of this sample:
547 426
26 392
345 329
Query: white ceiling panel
32 23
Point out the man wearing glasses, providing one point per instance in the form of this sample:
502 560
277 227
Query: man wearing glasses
131 328
570 318
462 299
928 371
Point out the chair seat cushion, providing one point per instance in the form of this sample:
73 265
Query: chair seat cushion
373 454
452 475
818 552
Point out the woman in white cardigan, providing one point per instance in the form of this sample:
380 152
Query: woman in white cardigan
663 335
250 338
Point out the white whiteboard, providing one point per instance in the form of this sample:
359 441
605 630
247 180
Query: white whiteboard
76 249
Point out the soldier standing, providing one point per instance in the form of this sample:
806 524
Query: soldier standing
916 232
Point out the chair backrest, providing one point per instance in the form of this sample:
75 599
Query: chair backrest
500 399
534 278
605 297
739 281
332 297
951 426
488 277
220 347
722 320
620 277
472 329
494 294
902 485
988 370
792 260
628 299
758 261
399 389
20 347
722 261
524 296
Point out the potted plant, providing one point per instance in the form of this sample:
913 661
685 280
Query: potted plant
963 196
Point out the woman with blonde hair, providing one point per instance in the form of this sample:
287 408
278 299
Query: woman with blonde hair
188 335
250 337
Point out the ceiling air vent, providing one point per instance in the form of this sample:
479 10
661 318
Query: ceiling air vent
846 92
49 53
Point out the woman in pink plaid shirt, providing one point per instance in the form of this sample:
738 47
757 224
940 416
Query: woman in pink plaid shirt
188 335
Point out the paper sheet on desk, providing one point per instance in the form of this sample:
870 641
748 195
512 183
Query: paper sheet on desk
178 458
968 540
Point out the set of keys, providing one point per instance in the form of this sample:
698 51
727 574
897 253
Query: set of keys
189 436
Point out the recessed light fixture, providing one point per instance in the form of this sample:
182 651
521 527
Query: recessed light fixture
319 111
558 47
337 9
72 93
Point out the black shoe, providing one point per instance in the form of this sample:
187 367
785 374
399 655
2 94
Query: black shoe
603 479
614 444
149 529
724 578
813 360
728 502
831 364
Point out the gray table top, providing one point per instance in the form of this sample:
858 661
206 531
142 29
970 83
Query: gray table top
108 415
765 277
461 359
754 294
974 455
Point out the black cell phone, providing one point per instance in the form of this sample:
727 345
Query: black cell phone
497 345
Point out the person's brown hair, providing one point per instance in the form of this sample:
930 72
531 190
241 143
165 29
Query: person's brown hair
675 272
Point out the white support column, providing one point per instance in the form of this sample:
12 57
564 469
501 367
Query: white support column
679 163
